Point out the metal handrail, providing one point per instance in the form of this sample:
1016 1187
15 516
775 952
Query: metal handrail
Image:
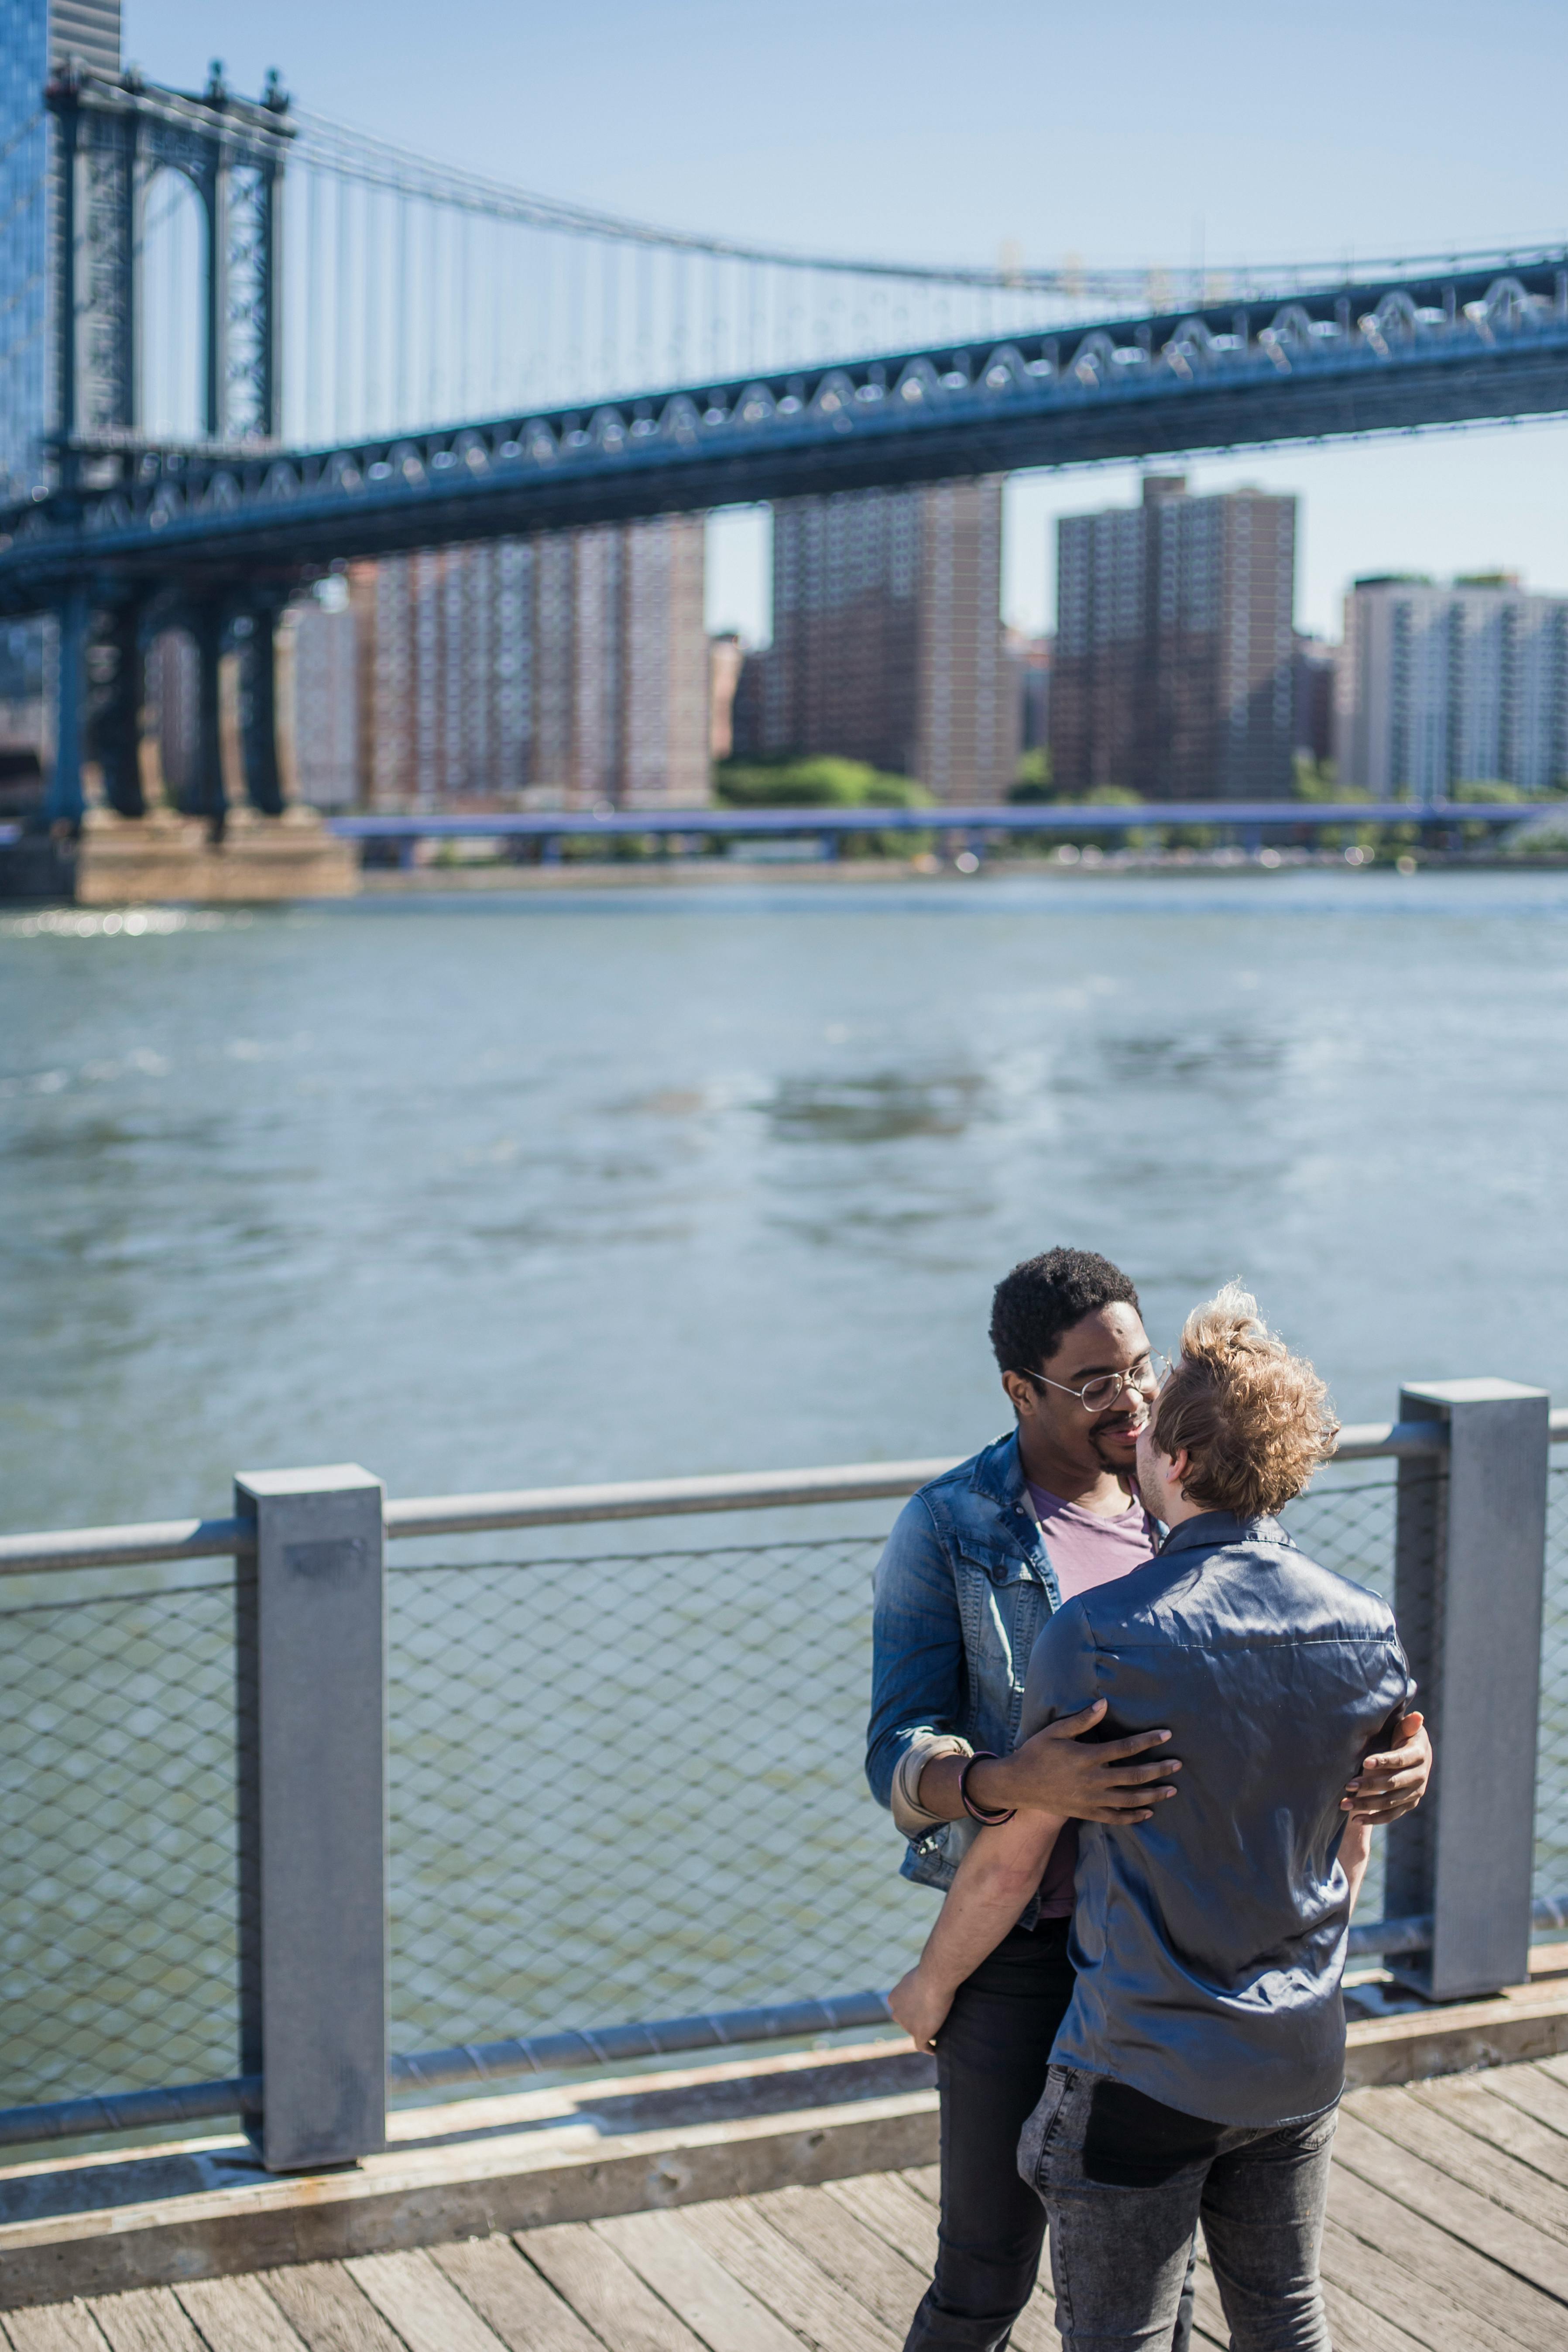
486 2063
637 1499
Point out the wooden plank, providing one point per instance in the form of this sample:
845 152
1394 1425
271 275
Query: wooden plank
237 2315
1472 2281
604 2291
862 2263
1536 2091
1472 2102
147 2319
901 2218
52 2328
1355 2328
700 2290
1428 2187
421 2306
794 2288
1408 2297
512 2297
925 2179
1419 2130
325 2307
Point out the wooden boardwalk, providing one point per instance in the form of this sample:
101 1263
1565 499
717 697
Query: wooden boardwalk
1449 2232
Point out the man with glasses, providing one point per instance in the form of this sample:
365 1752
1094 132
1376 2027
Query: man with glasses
976 1563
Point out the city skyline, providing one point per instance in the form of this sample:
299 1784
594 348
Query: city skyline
1372 515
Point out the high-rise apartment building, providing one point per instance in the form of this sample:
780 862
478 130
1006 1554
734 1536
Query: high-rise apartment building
1442 686
888 638
1314 669
37 37
318 693
1172 666
1031 661
572 667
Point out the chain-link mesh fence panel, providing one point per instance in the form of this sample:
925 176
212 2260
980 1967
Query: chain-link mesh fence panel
1349 1526
119 1894
1345 1521
631 1787
1552 1758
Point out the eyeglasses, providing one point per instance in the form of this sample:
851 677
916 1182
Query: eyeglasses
1096 1394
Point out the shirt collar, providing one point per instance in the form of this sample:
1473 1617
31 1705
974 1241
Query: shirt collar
1210 1530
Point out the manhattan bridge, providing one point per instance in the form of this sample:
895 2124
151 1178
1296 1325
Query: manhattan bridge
266 345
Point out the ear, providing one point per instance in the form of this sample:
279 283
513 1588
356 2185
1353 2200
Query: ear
1020 1393
1178 1466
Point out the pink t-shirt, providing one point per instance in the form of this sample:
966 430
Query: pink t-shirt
1086 1550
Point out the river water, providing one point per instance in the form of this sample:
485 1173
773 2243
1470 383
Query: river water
507 1191
510 1191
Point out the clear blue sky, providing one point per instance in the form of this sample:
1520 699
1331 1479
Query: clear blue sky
1140 135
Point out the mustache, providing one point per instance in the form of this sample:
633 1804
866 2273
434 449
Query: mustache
1108 1429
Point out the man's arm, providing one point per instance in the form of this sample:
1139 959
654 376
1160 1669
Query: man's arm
1356 1852
1055 1774
1393 1782
995 1883
914 1754
1003 1867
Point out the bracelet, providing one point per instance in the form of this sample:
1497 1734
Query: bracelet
977 1813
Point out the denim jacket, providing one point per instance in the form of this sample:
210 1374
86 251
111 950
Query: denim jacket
963 1586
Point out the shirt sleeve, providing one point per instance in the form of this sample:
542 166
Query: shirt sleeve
1064 1674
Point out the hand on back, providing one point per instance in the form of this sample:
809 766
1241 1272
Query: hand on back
1059 1771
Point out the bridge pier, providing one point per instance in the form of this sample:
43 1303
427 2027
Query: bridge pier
120 720
236 837
208 797
265 780
66 799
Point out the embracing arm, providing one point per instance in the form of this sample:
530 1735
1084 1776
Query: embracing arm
996 1881
914 1752
1003 1867
1356 1852
1393 1781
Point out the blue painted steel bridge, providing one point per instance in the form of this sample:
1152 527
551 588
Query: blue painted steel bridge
220 530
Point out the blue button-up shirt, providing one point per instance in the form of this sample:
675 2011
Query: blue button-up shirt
1210 1940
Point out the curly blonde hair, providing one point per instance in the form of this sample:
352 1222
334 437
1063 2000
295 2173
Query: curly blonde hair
1255 1420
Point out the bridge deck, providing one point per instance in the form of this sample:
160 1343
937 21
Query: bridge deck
1449 2230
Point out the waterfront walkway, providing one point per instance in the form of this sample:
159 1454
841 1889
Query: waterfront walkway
1448 2231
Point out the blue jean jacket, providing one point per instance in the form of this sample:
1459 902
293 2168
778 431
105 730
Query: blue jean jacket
963 1586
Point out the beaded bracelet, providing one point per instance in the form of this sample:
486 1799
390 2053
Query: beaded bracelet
977 1813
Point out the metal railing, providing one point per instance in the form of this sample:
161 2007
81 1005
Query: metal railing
597 1804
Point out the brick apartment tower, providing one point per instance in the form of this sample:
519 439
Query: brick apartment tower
572 668
36 39
1173 671
888 636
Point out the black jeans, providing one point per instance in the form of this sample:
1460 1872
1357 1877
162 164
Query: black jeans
992 2058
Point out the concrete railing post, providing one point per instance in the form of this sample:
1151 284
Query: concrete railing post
1471 1563
312 1701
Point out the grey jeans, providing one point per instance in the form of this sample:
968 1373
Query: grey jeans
1125 2180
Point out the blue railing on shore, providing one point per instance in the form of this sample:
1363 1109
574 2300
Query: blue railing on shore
1009 817
828 825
